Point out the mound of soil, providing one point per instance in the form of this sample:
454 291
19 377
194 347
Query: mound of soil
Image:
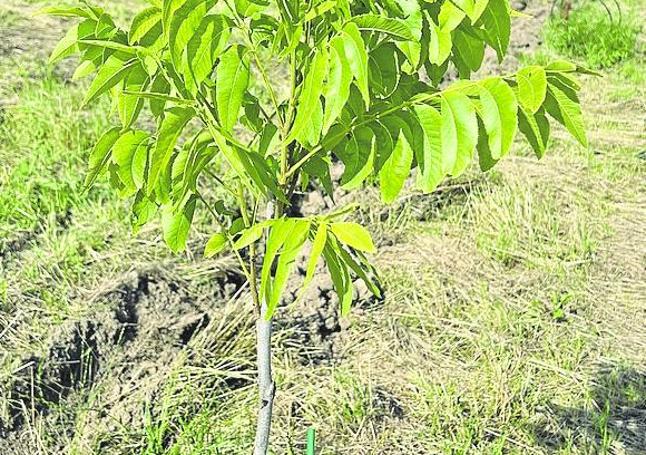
121 354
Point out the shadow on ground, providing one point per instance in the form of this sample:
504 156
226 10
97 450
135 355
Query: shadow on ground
613 422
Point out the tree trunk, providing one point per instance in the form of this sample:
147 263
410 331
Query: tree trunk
266 386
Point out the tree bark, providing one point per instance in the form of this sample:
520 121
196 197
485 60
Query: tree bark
266 386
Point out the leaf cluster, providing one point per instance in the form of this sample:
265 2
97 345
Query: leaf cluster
364 88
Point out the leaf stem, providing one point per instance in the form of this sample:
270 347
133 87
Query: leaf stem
245 271
253 276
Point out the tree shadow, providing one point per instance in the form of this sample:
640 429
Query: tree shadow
613 421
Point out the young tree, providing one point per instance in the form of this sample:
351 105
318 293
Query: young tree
365 86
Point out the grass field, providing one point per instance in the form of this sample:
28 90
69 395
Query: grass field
514 320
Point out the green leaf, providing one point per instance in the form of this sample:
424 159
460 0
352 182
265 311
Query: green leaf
353 235
320 168
239 162
497 23
536 129
459 127
374 23
100 154
584 70
318 244
311 91
169 8
289 10
385 72
319 10
189 162
110 74
566 82
183 25
450 16
561 66
360 270
143 210
449 138
498 111
285 263
159 97
411 11
478 8
123 154
139 163
386 141
278 234
485 159
106 28
216 243
567 112
112 45
176 224
431 166
395 170
267 137
358 157
340 277
205 47
144 23
440 45
68 44
66 12
84 69
232 81
257 168
357 58
532 87
250 235
337 87
169 131
249 8
130 105
468 49
472 8
310 135
159 90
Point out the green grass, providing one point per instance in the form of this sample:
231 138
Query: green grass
593 37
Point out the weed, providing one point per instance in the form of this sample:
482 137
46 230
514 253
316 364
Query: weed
589 34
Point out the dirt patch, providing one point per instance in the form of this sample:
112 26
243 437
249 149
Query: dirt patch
313 319
386 404
120 355
27 41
